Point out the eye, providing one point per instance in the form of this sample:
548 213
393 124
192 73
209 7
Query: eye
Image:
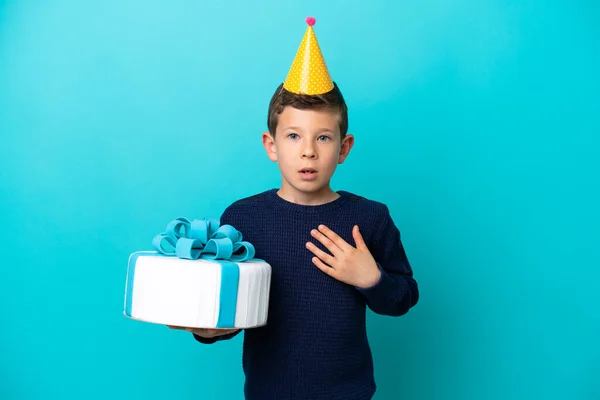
293 136
324 138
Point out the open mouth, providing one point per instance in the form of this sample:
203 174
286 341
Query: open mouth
308 173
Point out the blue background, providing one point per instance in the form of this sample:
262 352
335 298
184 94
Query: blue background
476 122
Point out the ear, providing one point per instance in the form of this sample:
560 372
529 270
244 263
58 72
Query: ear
345 147
268 142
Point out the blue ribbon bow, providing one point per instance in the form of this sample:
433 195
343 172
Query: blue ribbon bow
205 239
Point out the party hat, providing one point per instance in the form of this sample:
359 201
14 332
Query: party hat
309 74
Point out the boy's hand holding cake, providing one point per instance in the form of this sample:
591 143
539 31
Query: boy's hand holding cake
205 333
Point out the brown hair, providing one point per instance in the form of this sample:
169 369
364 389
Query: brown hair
332 100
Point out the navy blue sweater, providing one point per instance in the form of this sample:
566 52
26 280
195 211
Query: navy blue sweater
315 345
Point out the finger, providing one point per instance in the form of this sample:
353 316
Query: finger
220 331
175 327
325 268
328 243
358 239
334 237
320 253
204 332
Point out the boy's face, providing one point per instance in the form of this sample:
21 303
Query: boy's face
307 147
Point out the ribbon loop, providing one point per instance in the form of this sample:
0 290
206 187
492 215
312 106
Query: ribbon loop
230 232
242 251
165 244
219 249
174 228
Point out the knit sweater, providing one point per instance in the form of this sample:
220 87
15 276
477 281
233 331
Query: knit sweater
315 345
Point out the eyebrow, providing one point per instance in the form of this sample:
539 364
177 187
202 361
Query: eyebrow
295 128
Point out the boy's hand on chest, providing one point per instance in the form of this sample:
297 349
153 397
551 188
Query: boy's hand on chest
346 263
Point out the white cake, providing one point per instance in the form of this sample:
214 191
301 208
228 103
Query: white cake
170 289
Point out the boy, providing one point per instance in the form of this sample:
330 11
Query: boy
332 253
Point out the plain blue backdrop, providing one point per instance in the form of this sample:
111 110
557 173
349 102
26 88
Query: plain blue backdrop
477 122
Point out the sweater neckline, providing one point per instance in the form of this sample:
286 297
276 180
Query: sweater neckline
287 205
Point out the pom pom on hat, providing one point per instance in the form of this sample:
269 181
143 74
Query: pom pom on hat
310 21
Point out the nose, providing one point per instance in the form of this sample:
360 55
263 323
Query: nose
308 150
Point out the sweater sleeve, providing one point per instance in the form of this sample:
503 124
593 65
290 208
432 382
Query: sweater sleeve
397 291
225 219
